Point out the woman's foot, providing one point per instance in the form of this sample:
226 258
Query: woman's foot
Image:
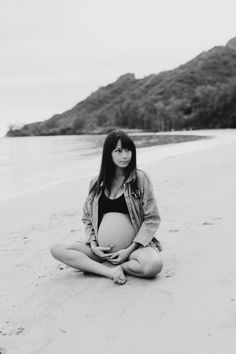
118 275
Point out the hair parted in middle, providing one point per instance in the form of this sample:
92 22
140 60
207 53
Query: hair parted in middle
107 169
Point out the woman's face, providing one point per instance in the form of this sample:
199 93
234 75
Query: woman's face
121 157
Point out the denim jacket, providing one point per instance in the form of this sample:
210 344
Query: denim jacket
142 207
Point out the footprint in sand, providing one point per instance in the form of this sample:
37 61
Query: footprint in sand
62 330
169 270
169 274
75 230
19 330
3 333
60 267
211 223
12 332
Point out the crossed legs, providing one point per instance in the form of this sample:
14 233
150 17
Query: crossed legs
144 262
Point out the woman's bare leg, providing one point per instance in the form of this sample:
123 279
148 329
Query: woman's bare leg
145 262
79 256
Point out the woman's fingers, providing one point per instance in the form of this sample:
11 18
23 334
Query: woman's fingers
101 253
102 248
113 255
115 261
104 255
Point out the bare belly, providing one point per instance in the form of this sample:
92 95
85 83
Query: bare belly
115 229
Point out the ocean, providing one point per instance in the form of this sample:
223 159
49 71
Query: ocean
32 163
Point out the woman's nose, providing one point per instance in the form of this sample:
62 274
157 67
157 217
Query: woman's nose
124 154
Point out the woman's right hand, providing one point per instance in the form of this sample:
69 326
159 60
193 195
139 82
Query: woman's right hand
101 251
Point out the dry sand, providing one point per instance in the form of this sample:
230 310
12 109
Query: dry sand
190 308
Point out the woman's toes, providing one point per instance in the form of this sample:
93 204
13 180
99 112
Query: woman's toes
119 276
121 281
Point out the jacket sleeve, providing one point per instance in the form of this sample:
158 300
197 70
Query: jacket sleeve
151 216
87 218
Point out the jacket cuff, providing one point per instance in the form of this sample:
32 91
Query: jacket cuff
90 239
142 240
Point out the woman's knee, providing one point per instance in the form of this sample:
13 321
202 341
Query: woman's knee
64 251
152 267
57 250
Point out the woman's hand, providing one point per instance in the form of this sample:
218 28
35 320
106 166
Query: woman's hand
100 251
119 257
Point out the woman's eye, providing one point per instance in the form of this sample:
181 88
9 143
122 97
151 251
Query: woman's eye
120 150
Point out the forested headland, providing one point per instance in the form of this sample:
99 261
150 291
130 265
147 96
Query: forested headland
200 94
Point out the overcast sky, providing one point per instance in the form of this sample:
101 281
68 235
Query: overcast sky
54 53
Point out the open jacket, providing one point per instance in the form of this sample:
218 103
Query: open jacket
141 205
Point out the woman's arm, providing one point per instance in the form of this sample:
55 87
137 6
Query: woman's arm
151 214
87 218
134 246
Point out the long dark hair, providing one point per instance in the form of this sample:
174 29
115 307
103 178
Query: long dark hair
107 169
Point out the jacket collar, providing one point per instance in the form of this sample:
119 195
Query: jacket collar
131 177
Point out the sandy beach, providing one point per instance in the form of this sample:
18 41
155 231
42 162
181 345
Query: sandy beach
190 308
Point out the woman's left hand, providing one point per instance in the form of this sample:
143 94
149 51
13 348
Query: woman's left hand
119 257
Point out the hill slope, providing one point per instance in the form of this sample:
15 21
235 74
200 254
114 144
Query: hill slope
199 94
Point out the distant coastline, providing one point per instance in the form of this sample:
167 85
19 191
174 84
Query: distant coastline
199 94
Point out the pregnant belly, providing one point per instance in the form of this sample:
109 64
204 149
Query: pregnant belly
115 229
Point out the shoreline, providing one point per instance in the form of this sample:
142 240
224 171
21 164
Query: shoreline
49 308
87 159
158 151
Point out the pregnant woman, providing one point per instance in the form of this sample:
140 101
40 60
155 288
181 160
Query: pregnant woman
121 218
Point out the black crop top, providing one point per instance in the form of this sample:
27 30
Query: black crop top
107 205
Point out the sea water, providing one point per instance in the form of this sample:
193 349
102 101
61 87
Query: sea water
31 163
